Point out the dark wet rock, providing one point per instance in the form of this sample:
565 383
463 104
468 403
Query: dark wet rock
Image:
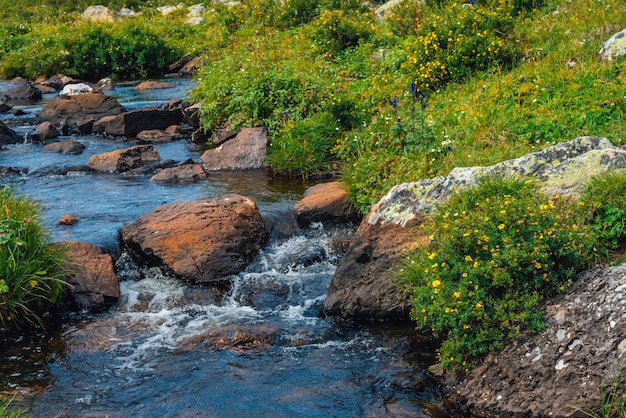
362 285
4 107
157 136
246 151
65 146
190 115
155 85
123 160
13 171
20 89
327 203
200 241
91 280
152 168
43 132
566 367
180 174
135 121
17 112
236 338
223 134
55 82
9 136
80 110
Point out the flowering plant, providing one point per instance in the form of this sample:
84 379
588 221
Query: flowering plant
496 251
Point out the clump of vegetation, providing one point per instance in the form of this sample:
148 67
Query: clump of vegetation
7 411
31 269
497 249
605 195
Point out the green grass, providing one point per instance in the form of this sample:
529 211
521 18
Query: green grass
7 411
31 269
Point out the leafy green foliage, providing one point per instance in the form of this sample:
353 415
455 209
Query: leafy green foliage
30 268
122 51
303 146
497 250
605 195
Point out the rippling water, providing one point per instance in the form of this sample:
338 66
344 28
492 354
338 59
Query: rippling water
167 349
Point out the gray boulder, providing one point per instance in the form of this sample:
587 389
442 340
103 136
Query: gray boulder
98 13
246 151
614 47
362 286
20 89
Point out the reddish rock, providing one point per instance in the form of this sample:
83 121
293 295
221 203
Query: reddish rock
234 338
362 286
135 121
122 160
246 151
157 136
200 241
181 174
68 220
79 109
91 279
43 132
326 203
154 85
45 89
175 129
65 146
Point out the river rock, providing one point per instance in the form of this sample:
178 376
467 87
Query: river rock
43 132
98 13
55 82
123 160
132 122
4 107
200 241
568 366
20 89
189 68
326 203
91 280
76 89
181 174
82 109
154 85
8 135
224 134
235 338
614 47
105 84
362 285
157 136
246 151
65 146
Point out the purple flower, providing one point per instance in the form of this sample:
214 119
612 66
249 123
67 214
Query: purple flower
394 102
449 149
472 2
412 87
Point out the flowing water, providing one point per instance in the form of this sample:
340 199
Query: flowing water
263 349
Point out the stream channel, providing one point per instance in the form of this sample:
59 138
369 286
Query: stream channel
154 353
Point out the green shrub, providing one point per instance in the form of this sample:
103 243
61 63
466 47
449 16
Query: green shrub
496 251
30 268
605 195
334 30
303 146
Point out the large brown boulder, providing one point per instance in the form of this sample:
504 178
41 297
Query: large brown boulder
154 85
91 280
200 241
326 203
135 121
8 135
245 151
122 160
65 146
79 109
568 366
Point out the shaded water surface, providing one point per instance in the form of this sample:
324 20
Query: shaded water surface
262 349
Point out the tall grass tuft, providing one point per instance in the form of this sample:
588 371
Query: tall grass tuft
31 269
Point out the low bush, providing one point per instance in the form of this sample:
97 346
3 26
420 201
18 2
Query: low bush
31 269
497 249
605 195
